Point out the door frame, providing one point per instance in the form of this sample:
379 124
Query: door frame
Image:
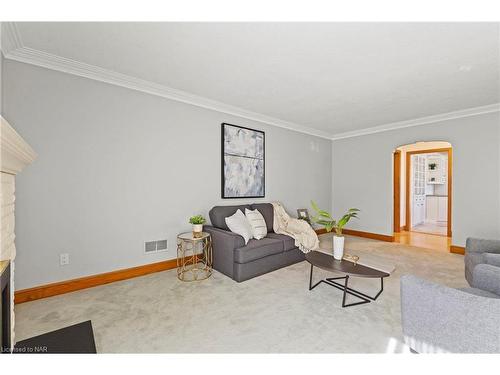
397 191
449 150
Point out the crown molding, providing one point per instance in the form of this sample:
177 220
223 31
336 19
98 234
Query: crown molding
420 121
11 38
13 49
58 63
16 153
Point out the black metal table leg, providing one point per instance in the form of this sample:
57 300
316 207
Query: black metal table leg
357 292
346 289
311 277
310 280
381 289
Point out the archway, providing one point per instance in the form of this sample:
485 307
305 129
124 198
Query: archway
423 188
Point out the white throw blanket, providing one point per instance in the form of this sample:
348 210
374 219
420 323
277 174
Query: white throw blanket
305 237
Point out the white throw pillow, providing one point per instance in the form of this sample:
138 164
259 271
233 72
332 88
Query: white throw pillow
238 223
257 222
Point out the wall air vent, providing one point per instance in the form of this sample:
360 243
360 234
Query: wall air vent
155 246
150 247
161 245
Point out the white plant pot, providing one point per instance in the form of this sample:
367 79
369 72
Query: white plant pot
197 228
338 247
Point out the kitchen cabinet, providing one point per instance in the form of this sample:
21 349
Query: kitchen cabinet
436 170
418 212
418 190
431 212
436 208
442 209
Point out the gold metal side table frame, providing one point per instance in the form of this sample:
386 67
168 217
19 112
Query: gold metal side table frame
194 256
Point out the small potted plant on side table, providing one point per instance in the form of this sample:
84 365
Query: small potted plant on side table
197 222
324 218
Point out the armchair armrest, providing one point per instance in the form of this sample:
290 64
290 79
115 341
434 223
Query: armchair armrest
479 245
487 277
475 249
437 318
223 245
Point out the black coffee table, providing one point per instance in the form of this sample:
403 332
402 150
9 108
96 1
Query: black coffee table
328 263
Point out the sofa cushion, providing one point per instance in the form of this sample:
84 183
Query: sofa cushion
257 249
218 214
491 258
267 210
288 242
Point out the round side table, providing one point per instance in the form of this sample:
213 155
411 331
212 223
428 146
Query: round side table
194 256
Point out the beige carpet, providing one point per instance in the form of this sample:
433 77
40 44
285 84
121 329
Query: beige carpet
272 313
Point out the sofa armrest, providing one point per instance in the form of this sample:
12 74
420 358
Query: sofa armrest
487 277
223 245
437 318
479 245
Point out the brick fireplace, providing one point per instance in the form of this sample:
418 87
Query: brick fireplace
15 155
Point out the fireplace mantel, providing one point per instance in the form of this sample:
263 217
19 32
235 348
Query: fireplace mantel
15 155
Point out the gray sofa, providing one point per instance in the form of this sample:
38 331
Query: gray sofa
437 318
242 262
480 251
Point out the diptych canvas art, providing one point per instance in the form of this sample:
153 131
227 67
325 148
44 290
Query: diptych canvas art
243 162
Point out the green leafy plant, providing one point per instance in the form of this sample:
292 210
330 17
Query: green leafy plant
197 219
324 218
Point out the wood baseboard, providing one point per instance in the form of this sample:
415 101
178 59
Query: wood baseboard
457 249
358 233
320 231
67 286
54 289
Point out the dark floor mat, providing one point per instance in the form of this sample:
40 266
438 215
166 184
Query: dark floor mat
78 338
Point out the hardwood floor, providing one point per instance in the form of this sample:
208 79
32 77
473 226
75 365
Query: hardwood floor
427 241
432 228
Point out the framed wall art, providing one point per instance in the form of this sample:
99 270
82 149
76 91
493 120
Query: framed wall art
243 162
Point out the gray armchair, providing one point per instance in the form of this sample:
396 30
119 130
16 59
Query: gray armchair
437 318
478 251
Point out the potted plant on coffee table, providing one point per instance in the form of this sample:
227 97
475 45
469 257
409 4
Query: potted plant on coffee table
324 218
197 222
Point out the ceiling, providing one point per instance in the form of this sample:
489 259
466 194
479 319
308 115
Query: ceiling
327 77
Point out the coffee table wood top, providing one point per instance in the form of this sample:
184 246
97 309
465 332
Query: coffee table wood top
328 263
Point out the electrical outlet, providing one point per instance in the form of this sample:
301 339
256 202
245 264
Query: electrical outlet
63 259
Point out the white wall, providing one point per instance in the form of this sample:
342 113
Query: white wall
362 172
117 167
